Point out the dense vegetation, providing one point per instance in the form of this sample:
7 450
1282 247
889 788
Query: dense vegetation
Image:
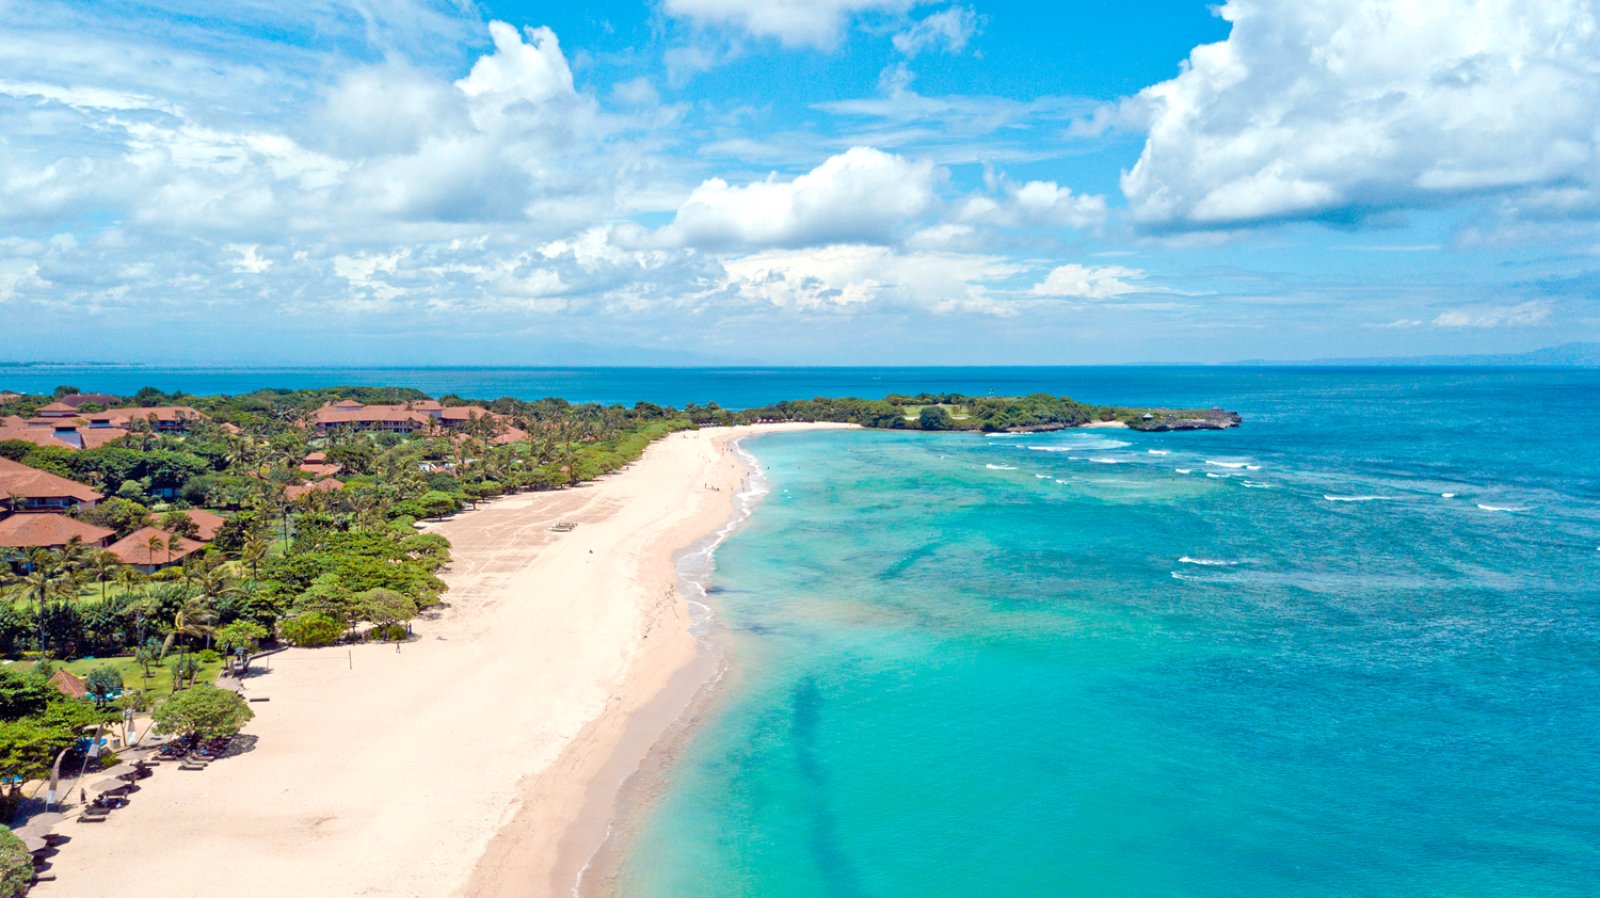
954 411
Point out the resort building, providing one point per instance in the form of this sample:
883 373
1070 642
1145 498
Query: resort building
316 465
69 684
25 489
69 433
150 549
48 531
418 416
206 523
295 490
174 419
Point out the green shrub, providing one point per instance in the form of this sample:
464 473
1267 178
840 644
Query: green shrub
16 865
311 629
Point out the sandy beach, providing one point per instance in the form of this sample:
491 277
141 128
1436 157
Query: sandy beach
483 758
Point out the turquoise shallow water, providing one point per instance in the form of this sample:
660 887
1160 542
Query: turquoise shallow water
1077 665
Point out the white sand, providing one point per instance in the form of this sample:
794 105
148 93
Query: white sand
558 662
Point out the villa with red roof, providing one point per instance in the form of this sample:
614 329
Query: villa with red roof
49 531
417 416
150 549
29 489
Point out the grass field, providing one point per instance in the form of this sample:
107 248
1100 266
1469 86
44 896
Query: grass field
160 681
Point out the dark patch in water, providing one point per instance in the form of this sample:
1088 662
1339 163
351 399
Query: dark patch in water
838 874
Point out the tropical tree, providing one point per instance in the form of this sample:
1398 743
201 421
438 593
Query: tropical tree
204 712
104 566
47 580
195 619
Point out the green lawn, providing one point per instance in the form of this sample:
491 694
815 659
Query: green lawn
160 682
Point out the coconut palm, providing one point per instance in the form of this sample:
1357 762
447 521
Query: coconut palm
256 546
104 566
46 580
195 619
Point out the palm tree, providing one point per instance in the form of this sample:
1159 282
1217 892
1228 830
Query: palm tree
47 579
216 584
104 566
195 618
256 546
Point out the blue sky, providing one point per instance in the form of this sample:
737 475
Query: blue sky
784 182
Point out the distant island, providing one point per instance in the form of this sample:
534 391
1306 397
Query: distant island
987 414
1567 355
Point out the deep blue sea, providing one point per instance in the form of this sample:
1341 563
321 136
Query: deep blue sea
1350 649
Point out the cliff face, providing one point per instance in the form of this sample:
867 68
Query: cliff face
1159 419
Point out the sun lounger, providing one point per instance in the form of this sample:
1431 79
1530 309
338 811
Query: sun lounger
87 817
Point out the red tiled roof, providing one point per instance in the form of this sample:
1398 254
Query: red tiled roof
321 470
349 411
206 523
35 529
316 457
135 548
59 432
69 684
17 479
55 409
295 491
159 413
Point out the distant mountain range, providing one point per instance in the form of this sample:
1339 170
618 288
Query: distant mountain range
1567 355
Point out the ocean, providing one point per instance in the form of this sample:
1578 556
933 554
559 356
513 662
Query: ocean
1351 648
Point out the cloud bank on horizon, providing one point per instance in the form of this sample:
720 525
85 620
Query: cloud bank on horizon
796 181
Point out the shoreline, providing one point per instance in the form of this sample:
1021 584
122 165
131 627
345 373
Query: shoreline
641 741
486 756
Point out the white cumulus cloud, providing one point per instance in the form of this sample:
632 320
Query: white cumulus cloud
1522 315
948 29
1338 107
793 23
1094 282
862 195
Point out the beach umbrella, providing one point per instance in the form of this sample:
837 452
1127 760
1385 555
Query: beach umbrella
109 786
120 770
26 832
33 843
44 821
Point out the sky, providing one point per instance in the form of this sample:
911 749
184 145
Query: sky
796 181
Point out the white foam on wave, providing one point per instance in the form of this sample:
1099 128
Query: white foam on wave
1158 452
1063 482
1447 495
1184 470
1231 464
1105 461
1218 476
1254 485
1176 575
1332 498
1042 476
1502 507
1206 562
1000 467
1083 445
